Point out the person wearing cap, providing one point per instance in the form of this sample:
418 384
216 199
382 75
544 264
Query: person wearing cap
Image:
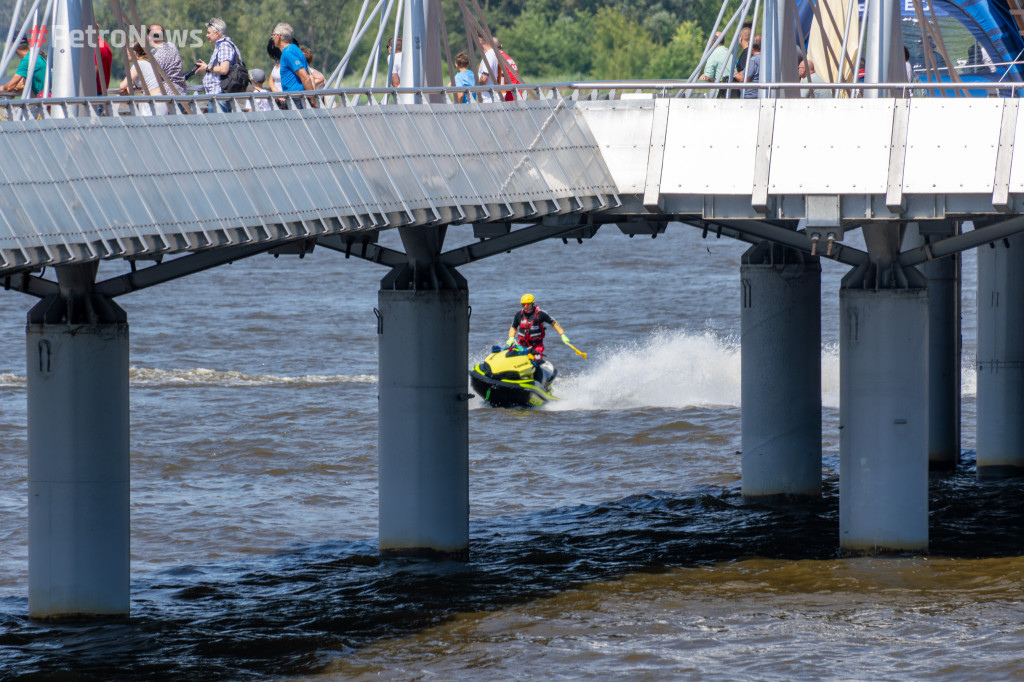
528 328
257 77
17 82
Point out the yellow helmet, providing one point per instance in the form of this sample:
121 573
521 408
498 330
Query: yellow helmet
527 298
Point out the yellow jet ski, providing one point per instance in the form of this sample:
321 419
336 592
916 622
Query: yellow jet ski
510 377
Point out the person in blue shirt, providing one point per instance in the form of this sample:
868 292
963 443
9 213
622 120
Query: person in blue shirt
295 75
464 78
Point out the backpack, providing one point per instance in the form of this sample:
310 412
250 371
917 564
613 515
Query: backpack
237 77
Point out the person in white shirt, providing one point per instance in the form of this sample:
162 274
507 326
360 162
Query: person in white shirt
487 73
396 70
145 82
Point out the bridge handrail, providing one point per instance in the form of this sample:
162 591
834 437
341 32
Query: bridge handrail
566 90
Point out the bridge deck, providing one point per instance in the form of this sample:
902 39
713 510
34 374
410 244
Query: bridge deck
79 189
825 160
92 187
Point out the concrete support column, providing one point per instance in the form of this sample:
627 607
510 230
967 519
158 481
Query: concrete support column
1000 439
78 458
883 460
781 372
424 420
944 345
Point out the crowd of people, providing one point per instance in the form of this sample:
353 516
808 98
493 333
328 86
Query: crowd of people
493 70
157 68
747 69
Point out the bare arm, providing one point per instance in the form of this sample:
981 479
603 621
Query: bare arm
307 80
395 80
16 84
307 83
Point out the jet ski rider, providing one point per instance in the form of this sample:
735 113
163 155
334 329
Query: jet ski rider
528 328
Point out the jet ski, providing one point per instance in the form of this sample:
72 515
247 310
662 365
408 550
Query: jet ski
509 377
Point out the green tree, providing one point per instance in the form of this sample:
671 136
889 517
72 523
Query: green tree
546 46
621 47
677 59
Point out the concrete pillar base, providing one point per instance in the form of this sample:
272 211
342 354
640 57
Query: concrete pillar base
1000 439
424 421
781 356
78 443
944 347
883 460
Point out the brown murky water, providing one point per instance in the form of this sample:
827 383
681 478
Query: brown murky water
874 618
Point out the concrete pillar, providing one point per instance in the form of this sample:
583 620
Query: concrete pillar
883 443
424 421
78 459
1000 439
781 372
944 345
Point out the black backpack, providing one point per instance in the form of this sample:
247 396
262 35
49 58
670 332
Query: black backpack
237 77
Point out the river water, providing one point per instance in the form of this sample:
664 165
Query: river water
608 535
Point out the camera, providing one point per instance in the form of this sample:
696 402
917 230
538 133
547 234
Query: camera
191 73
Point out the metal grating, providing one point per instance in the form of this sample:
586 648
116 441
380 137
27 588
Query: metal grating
78 189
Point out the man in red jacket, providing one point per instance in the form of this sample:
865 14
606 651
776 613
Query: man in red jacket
528 328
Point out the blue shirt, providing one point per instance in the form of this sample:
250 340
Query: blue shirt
292 60
465 79
753 75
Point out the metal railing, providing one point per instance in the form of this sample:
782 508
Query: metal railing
13 107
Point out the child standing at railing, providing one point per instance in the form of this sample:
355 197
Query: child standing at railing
464 78
257 77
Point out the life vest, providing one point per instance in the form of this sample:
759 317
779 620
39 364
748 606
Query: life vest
508 77
531 329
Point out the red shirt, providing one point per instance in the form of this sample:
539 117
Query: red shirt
103 82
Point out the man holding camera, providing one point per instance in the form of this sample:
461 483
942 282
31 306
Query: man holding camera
224 52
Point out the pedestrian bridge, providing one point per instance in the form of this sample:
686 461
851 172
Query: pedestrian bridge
84 181
82 188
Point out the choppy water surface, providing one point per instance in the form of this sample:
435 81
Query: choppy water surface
609 538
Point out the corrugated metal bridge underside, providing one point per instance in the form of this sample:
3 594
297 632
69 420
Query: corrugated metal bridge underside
81 189
88 188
